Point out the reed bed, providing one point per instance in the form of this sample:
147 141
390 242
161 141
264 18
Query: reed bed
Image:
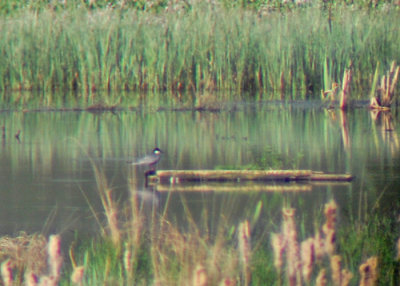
207 47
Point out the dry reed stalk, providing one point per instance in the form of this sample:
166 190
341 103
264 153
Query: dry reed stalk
77 275
214 261
127 259
321 278
385 96
369 272
330 211
345 94
388 84
398 250
55 259
227 282
319 247
7 273
107 270
307 258
292 258
112 216
187 250
393 76
331 94
245 249
110 207
374 103
200 276
137 217
48 281
134 229
288 222
328 228
31 279
336 265
222 263
346 277
278 246
157 256
329 243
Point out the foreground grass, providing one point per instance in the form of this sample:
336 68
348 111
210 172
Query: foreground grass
163 252
347 255
296 52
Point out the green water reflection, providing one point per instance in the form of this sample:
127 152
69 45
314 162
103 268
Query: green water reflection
47 180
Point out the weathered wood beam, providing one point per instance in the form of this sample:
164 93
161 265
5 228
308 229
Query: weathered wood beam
178 176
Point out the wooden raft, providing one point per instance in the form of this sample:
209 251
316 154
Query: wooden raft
179 176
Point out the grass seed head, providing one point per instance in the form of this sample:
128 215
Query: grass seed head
321 278
7 273
329 243
319 247
77 275
55 258
245 248
200 276
244 241
278 245
336 265
307 258
346 277
369 272
127 260
330 215
31 279
227 282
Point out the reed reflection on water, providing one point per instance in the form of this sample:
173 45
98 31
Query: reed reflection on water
48 184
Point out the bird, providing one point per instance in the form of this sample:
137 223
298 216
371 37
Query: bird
149 160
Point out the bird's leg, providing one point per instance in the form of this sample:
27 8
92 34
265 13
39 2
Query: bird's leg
148 173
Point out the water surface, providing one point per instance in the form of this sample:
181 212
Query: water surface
48 183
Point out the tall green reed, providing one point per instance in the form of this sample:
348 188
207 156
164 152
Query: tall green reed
205 48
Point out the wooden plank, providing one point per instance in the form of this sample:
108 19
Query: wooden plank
317 176
177 176
180 176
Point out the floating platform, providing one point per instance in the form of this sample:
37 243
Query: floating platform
180 176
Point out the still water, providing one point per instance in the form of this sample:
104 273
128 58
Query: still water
47 174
